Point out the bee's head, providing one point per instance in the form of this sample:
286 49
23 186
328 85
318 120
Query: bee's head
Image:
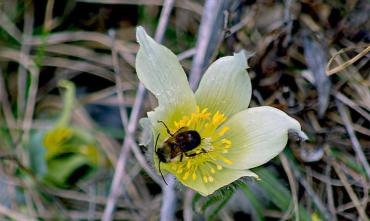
163 155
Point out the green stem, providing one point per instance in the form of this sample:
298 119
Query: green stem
69 99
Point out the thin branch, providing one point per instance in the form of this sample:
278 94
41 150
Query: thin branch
350 191
14 215
347 63
292 183
355 143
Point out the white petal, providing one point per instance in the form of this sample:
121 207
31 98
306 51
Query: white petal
225 177
226 86
161 73
258 135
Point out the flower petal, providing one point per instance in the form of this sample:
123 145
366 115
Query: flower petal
257 135
220 178
161 73
226 86
225 177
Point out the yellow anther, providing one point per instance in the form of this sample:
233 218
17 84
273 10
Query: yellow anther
194 176
223 130
227 161
210 179
213 170
180 169
219 167
225 151
205 179
188 164
215 118
226 141
186 175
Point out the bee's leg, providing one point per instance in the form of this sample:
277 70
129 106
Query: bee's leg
191 155
194 154
168 130
182 155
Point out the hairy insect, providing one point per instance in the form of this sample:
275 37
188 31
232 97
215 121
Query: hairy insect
177 145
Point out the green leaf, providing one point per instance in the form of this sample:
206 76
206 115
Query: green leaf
257 206
226 197
60 169
278 193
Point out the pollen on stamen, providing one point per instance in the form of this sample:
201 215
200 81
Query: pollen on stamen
226 141
227 161
214 144
205 179
219 167
194 176
186 175
188 164
210 179
223 130
179 169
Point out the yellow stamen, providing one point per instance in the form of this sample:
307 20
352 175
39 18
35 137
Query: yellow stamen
226 141
227 161
188 164
205 179
214 142
194 176
223 130
186 175
219 167
210 179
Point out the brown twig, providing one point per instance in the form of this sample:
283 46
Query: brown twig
355 143
292 183
351 193
347 63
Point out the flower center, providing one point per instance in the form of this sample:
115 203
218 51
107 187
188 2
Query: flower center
208 158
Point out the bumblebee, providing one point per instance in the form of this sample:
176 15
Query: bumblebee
177 145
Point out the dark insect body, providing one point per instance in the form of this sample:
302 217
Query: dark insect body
178 144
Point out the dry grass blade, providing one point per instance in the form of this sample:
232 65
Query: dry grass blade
315 56
79 66
209 33
292 183
131 127
347 63
124 48
10 27
14 214
355 143
188 5
9 118
352 194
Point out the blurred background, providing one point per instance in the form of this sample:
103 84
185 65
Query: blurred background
71 147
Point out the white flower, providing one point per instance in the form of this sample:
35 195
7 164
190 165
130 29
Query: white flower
234 138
